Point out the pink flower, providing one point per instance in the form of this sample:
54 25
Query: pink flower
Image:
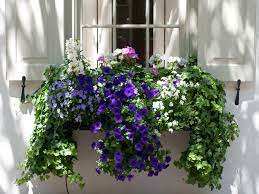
129 52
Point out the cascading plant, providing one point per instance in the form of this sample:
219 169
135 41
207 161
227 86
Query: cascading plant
132 107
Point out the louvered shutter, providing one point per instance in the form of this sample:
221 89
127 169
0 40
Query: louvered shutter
34 37
226 38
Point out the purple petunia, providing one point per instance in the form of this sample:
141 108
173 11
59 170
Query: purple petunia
96 127
118 118
119 137
130 90
93 145
168 159
150 173
103 158
119 167
121 177
133 163
118 157
132 108
101 79
130 177
139 146
138 116
107 70
98 170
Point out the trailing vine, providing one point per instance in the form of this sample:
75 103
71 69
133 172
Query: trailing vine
133 107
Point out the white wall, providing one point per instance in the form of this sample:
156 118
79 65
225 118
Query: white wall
241 172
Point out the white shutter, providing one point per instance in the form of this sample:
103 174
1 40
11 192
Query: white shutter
226 38
170 12
34 37
95 40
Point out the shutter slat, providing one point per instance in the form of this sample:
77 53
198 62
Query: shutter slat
226 38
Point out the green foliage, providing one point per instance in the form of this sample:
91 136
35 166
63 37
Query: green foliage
203 114
52 149
190 99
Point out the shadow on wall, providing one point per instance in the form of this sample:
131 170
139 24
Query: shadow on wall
16 120
241 167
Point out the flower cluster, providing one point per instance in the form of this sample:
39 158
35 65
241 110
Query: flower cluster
131 144
76 63
132 107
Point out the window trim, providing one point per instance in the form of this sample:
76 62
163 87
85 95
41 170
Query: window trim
115 26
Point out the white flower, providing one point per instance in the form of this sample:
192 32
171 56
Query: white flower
158 105
116 52
170 130
175 123
173 59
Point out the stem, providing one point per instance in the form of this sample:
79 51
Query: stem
66 185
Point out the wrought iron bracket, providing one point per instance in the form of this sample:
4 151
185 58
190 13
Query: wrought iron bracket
238 91
23 89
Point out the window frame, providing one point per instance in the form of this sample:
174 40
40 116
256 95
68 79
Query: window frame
147 26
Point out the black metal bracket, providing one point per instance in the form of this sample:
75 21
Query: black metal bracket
238 91
23 89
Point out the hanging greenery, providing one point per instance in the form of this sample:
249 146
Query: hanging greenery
132 107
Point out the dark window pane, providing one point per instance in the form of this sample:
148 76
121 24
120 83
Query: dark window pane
135 38
132 11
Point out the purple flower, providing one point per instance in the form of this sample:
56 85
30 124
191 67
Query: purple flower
93 145
176 83
101 58
132 108
122 78
155 92
165 166
130 90
133 163
121 177
101 108
98 170
83 106
116 131
150 148
155 71
107 135
156 173
139 146
154 162
149 94
118 119
130 74
107 70
144 111
141 165
103 158
142 128
131 136
168 159
151 173
138 116
96 127
119 137
59 95
144 86
118 157
130 177
101 79
100 145
60 84
119 167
